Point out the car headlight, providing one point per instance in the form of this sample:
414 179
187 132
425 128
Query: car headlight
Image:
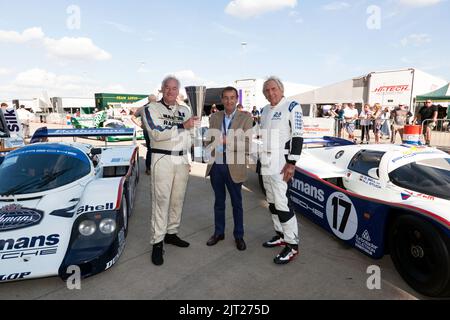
107 226
87 228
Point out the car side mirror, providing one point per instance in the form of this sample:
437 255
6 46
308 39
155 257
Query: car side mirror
96 151
374 173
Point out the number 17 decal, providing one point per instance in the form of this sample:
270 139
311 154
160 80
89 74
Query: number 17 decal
341 215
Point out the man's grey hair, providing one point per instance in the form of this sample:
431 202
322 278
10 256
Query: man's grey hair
168 78
276 80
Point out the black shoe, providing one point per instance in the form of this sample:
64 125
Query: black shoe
214 239
276 241
240 244
157 254
175 240
287 255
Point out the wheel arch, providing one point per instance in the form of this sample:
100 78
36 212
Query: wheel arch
395 212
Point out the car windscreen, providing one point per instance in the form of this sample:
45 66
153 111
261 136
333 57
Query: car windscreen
32 172
115 125
430 177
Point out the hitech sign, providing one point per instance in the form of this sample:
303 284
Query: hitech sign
392 89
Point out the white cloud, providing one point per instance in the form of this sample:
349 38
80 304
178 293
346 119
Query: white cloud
334 6
75 49
416 40
26 36
189 78
250 8
30 83
37 78
112 88
5 71
419 3
65 48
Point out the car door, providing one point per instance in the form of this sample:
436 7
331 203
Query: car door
363 173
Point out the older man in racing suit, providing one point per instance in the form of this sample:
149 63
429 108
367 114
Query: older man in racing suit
282 131
167 123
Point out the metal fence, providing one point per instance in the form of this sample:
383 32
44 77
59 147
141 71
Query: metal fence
385 129
440 134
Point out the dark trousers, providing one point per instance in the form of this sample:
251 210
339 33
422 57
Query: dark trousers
220 177
365 133
148 158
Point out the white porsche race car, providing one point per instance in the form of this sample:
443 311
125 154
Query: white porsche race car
65 204
382 199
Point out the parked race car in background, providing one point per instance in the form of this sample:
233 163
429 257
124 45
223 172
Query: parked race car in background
65 204
100 120
381 199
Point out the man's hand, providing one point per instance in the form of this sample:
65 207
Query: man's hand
288 172
191 123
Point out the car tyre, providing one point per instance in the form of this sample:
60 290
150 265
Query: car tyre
421 255
137 170
125 214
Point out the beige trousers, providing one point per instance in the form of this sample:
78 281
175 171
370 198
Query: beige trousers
168 187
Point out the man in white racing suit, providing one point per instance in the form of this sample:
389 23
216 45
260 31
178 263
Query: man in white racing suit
168 124
282 131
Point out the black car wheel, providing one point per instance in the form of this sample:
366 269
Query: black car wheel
421 255
125 214
137 170
130 198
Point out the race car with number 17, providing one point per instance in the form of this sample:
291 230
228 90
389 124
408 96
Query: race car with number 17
382 199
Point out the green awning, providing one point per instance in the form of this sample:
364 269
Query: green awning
441 95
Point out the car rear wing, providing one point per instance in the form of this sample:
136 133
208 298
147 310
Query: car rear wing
43 134
327 142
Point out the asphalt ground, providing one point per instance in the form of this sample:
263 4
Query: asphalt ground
325 268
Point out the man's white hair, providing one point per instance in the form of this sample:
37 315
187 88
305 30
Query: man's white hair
168 78
276 80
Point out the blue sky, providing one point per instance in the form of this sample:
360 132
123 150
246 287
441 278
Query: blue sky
129 46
